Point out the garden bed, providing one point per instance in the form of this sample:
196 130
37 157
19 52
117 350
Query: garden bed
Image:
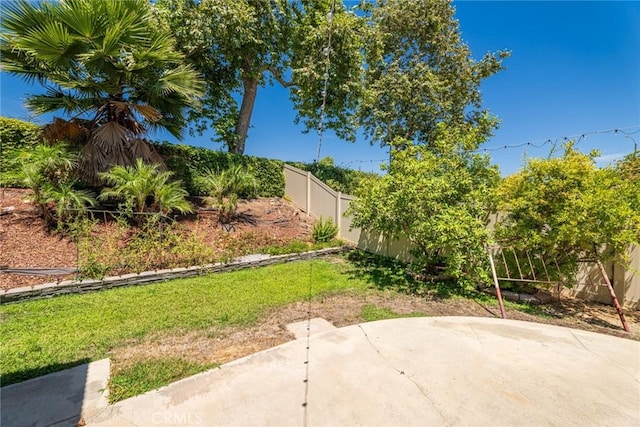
26 243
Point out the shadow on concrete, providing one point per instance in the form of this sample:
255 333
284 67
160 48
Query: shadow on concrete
27 374
60 398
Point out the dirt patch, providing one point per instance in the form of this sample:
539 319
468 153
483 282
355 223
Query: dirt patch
26 243
221 345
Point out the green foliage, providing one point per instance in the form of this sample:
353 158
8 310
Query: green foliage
43 336
222 183
629 166
107 66
565 208
15 136
324 231
190 163
48 171
144 188
438 201
419 73
116 247
225 187
243 45
150 374
69 202
339 179
292 247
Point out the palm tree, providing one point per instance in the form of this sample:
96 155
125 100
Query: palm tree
47 170
105 66
224 188
69 202
144 188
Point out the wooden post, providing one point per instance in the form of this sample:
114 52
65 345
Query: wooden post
338 217
614 298
308 193
497 285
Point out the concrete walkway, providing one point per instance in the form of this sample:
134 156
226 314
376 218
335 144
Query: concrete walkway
419 371
403 372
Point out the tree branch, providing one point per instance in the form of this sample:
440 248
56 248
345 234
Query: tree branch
280 79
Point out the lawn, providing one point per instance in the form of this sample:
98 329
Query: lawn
42 336
157 334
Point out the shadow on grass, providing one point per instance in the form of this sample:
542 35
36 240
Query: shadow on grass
27 374
388 273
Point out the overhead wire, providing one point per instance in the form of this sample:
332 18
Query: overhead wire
327 54
577 138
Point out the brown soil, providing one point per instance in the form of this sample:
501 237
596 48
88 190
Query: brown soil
221 345
25 242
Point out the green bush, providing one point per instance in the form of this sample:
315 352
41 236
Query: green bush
324 231
48 171
225 187
15 135
144 188
188 163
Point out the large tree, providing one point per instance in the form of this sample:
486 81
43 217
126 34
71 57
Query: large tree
243 45
419 72
437 197
107 68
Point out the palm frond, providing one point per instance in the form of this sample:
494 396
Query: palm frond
95 55
63 130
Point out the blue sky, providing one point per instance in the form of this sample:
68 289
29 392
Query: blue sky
574 68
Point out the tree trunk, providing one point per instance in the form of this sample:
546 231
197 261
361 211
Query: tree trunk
244 118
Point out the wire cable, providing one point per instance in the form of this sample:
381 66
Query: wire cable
327 53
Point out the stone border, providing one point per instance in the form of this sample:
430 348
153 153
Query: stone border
541 297
48 290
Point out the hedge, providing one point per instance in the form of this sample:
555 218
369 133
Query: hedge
188 162
14 135
185 161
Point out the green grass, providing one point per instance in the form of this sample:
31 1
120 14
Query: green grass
150 374
299 246
40 336
372 313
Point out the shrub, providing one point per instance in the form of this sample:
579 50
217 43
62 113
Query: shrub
565 209
190 163
324 231
113 248
48 171
144 188
437 201
225 187
15 136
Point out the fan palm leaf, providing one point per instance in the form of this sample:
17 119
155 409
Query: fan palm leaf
146 188
104 64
